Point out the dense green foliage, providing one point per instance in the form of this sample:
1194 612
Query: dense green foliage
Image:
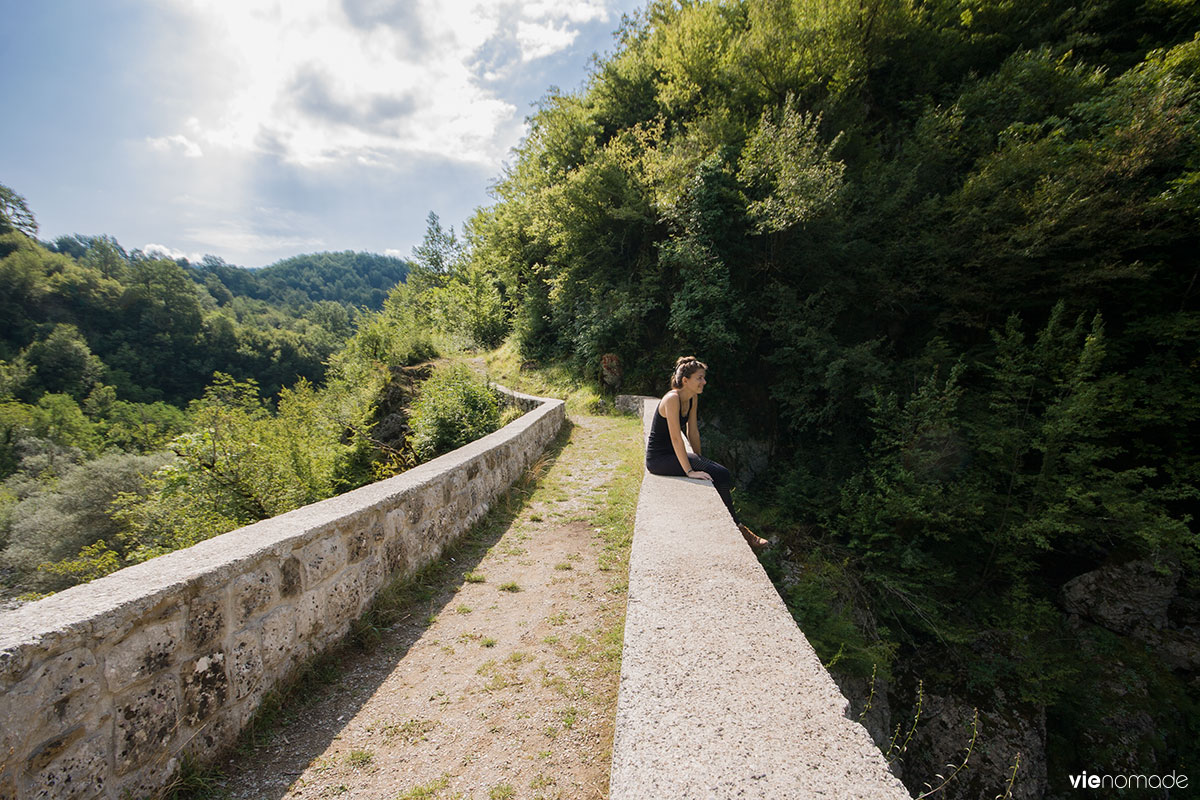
942 255
455 407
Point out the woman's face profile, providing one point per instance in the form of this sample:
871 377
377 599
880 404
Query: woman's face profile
695 382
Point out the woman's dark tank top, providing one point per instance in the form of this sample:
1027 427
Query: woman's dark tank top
659 443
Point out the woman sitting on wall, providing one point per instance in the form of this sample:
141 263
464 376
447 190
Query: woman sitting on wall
665 451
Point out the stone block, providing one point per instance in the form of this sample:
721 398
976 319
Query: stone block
322 559
309 618
278 637
143 653
143 612
214 736
77 772
395 521
447 528
52 699
290 581
373 576
254 593
14 664
343 600
205 685
145 723
414 506
49 751
396 554
245 667
205 626
358 543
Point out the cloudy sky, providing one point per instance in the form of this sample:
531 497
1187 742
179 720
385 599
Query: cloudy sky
259 129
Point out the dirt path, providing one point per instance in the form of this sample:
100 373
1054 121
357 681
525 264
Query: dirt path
504 684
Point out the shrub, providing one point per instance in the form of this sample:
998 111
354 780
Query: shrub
455 407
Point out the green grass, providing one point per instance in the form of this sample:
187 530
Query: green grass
474 577
360 758
427 790
509 586
502 792
195 781
548 380
569 715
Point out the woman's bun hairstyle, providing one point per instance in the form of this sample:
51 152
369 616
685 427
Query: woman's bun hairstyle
685 367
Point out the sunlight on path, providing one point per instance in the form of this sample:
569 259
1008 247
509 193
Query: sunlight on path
505 685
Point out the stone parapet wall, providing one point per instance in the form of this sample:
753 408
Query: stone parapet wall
105 685
721 696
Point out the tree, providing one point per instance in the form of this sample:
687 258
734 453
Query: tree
439 251
15 214
63 363
58 521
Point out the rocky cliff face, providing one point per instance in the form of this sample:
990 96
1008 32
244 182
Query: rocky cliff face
1005 738
1139 599
1142 641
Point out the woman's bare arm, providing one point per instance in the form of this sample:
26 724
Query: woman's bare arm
693 430
670 406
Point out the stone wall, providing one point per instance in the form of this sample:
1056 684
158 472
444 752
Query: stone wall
103 686
721 695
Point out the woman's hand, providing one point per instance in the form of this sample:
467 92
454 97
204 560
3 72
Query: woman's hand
699 473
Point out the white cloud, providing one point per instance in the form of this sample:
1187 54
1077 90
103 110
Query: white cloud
541 39
162 251
395 253
578 11
177 143
315 82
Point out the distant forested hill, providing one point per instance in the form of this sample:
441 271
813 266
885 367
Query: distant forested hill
158 329
350 278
